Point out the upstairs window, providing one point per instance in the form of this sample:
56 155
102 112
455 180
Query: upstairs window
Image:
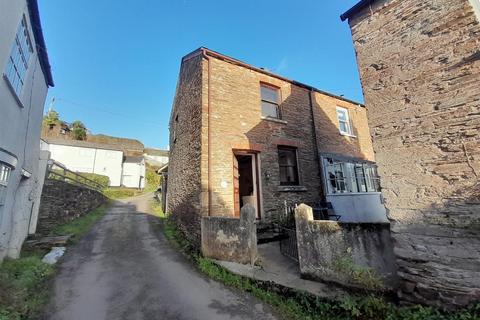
287 160
350 176
270 101
17 64
4 177
344 123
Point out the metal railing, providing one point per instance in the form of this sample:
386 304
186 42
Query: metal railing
57 171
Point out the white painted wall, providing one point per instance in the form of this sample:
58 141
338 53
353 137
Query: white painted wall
476 7
359 207
19 132
42 172
109 163
90 160
134 175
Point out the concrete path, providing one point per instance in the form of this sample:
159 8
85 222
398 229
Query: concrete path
125 269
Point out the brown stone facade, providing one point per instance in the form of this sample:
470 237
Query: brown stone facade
419 64
184 170
217 113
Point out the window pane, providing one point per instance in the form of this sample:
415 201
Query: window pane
269 94
341 114
287 159
343 127
269 110
19 58
351 180
373 182
362 187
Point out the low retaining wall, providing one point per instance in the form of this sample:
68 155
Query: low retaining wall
62 202
352 254
231 239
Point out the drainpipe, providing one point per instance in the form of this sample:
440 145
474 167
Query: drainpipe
317 149
205 56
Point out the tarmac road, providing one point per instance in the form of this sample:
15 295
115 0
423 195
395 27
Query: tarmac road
124 268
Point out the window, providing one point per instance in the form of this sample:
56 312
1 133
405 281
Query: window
270 101
344 122
4 177
350 176
17 64
287 160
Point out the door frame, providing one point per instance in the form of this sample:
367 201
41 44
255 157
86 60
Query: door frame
255 175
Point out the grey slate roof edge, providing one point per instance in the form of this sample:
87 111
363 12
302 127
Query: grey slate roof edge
40 41
355 9
218 55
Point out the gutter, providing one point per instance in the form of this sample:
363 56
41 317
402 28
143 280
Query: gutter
355 9
317 149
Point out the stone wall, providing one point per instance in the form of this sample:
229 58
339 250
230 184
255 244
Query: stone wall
184 185
62 202
231 239
352 254
419 64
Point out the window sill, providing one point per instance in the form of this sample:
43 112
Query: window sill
291 189
9 85
354 194
348 135
274 120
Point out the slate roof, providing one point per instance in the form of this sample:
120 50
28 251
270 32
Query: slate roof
130 147
156 152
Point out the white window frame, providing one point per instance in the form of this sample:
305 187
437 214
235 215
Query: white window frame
347 122
272 103
349 179
18 61
5 173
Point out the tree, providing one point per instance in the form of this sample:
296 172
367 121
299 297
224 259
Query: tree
52 118
79 131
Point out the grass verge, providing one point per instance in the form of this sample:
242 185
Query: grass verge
24 289
121 193
304 306
78 227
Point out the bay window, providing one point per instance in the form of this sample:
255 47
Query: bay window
350 176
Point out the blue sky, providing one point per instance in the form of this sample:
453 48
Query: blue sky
115 63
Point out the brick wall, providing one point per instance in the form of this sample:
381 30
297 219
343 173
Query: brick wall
236 124
184 185
420 71
232 110
62 202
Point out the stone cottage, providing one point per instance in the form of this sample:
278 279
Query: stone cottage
243 135
419 64
24 85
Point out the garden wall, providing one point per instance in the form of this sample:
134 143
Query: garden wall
62 202
231 239
352 254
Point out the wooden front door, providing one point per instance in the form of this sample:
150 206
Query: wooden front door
236 187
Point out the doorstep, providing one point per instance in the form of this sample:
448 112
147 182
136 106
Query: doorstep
282 271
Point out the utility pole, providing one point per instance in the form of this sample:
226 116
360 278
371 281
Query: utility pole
51 105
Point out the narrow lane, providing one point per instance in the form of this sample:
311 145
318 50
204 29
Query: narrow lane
124 268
